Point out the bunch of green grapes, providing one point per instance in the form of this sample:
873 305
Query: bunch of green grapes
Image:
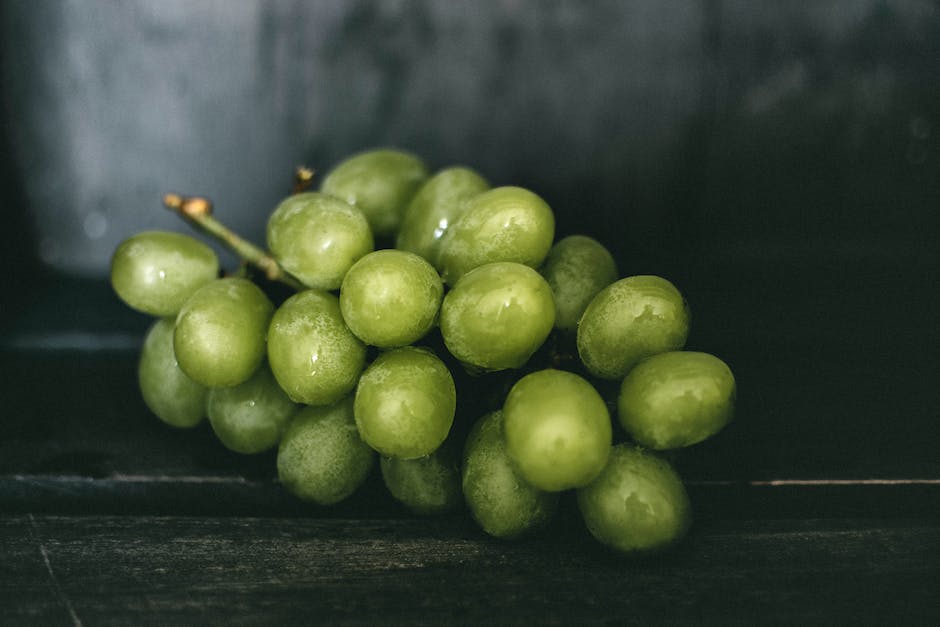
382 351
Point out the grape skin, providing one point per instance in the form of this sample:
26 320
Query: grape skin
317 238
405 403
577 268
502 503
637 504
426 485
321 457
557 428
220 332
155 272
390 298
250 417
630 320
437 204
173 397
314 356
497 316
380 183
676 399
501 224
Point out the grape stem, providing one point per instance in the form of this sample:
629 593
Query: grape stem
197 211
303 178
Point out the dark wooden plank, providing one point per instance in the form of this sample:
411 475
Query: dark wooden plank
232 495
92 447
804 411
88 444
172 570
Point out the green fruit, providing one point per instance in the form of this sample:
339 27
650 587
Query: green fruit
250 417
497 316
405 403
391 298
314 356
321 457
379 182
676 399
426 485
501 502
220 332
502 224
577 268
317 238
630 320
157 271
557 430
637 503
437 205
175 398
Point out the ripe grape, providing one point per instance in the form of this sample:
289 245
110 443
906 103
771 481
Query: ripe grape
379 182
497 316
676 399
321 457
425 485
501 502
577 268
630 320
437 205
250 417
317 238
219 338
157 271
405 403
175 398
637 503
502 224
557 429
328 414
391 298
314 356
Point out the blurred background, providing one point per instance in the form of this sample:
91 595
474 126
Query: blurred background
779 162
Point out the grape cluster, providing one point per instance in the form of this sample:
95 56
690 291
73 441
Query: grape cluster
419 293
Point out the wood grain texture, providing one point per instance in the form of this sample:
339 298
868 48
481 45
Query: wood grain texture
101 570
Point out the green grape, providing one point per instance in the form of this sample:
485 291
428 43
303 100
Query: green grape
314 356
426 485
502 224
321 457
437 205
501 502
391 298
317 238
175 398
577 268
157 271
557 429
405 403
219 337
676 399
497 316
630 320
637 503
250 417
379 182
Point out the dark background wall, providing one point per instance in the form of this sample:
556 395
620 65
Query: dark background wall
737 128
779 161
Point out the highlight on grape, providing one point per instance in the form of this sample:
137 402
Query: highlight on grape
435 327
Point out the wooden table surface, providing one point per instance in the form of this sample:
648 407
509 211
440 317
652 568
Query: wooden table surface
807 511
170 570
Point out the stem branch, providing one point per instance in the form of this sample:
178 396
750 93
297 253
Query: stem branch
197 212
303 178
